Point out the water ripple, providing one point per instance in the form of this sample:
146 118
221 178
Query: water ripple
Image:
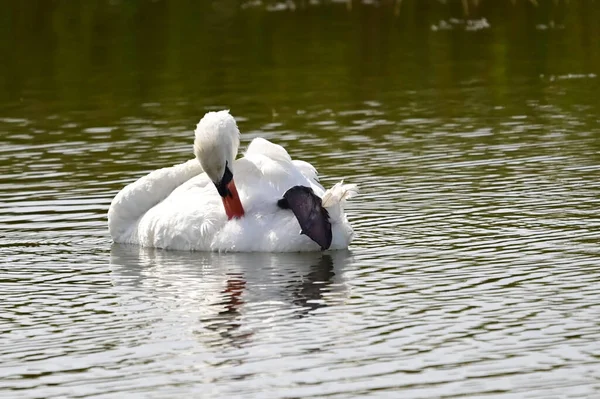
473 271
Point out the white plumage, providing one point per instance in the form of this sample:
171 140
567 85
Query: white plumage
179 207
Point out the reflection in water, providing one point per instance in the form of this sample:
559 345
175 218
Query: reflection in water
227 322
227 290
308 291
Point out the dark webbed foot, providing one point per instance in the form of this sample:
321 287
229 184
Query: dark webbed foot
308 209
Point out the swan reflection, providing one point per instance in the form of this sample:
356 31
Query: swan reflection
223 299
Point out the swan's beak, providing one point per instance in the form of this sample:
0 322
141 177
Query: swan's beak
231 202
229 195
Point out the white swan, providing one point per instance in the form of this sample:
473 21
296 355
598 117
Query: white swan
198 206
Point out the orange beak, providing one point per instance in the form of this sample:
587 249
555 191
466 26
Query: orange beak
231 202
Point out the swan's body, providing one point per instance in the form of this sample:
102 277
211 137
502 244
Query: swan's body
180 208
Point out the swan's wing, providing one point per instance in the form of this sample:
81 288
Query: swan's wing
312 217
273 151
137 198
296 182
277 153
278 169
307 170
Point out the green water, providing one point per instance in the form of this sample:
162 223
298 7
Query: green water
474 139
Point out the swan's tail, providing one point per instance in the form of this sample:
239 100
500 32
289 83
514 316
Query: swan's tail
339 193
137 198
335 198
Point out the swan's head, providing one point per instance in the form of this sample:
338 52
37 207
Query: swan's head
216 146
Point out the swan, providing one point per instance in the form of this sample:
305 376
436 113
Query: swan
261 202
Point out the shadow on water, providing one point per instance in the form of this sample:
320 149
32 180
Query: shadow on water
232 294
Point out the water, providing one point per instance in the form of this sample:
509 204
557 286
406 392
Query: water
475 268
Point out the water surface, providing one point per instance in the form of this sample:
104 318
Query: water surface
475 267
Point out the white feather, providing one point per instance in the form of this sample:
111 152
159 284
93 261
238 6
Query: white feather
339 194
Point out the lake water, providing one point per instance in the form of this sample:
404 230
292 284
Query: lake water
476 144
